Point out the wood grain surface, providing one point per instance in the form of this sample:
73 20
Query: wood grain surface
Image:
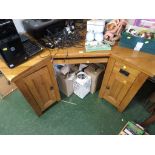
143 62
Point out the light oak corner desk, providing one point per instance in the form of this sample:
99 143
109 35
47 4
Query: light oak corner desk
125 73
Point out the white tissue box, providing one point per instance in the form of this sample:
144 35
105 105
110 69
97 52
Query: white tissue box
81 86
96 25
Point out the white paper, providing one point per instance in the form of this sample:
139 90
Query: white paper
138 46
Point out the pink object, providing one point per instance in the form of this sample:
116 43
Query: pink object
138 22
114 29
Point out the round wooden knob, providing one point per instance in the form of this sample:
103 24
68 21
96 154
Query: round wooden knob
51 88
107 87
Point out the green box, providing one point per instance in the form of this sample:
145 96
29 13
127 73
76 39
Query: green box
130 41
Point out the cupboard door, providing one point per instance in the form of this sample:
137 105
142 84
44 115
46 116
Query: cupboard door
118 80
41 88
116 88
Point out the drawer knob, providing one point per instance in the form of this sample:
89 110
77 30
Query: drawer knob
51 88
124 67
107 87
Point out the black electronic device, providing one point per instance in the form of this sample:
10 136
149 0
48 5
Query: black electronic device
54 33
11 47
31 47
15 49
37 27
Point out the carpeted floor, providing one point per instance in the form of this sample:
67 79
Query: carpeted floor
71 116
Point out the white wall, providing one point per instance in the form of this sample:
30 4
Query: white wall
19 26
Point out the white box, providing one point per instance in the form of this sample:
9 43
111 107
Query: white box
96 25
65 84
96 74
82 84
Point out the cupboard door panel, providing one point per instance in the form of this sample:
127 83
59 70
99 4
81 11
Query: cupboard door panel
117 88
41 87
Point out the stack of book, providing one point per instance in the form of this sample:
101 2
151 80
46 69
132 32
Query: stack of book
131 128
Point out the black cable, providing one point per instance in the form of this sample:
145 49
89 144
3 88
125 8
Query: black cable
65 37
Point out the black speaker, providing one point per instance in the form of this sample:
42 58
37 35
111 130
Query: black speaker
11 47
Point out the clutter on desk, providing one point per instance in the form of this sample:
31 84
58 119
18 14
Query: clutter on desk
139 38
147 23
101 35
94 36
132 128
56 33
113 30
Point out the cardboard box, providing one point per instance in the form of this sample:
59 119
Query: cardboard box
74 68
6 87
65 84
96 74
81 84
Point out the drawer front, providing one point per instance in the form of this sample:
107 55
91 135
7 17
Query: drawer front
125 72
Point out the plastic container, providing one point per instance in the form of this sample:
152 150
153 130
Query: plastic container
130 41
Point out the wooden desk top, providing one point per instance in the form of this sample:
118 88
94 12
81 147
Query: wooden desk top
142 61
72 52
